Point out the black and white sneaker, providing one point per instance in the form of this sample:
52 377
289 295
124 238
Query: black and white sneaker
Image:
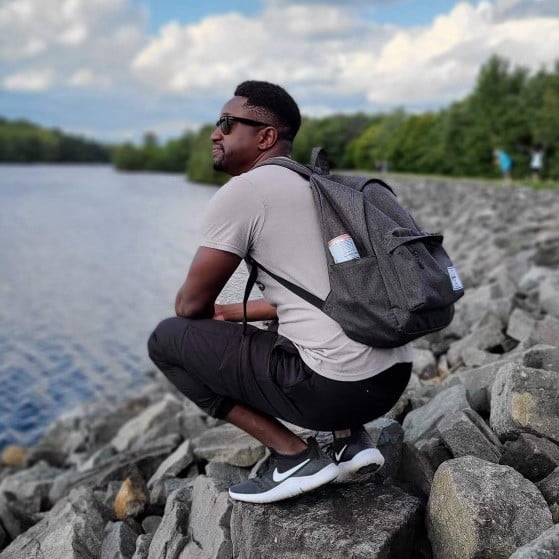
280 477
355 455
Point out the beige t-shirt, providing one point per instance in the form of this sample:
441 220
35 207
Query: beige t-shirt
269 214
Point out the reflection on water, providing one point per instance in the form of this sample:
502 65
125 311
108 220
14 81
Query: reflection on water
90 261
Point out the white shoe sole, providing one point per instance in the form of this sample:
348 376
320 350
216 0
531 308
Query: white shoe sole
290 487
367 462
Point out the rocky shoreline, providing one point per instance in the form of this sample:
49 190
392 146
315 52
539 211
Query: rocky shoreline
472 447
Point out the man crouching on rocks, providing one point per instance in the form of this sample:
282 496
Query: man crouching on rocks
309 373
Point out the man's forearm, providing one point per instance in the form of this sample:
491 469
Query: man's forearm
258 309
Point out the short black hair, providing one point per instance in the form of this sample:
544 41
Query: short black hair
273 102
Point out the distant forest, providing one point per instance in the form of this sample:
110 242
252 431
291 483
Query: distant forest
509 108
24 142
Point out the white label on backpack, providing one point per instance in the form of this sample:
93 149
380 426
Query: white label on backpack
343 248
455 279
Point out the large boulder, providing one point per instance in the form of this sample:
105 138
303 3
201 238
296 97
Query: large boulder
534 457
155 421
116 469
525 400
480 509
545 546
465 433
71 529
208 524
172 535
227 443
360 520
423 421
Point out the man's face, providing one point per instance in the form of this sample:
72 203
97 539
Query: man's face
237 151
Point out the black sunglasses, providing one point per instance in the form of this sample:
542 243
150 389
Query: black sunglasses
225 122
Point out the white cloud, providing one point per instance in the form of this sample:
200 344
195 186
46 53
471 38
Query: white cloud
29 80
339 54
84 77
326 53
67 35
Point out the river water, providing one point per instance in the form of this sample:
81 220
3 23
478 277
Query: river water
90 261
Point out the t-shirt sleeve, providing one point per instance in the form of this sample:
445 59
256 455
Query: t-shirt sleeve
234 217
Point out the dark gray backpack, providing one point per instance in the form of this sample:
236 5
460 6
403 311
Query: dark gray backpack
390 282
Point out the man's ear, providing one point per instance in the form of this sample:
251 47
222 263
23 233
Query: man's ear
268 138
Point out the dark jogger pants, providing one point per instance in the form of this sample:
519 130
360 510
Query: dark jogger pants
211 363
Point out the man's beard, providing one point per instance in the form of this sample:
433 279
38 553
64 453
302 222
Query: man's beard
218 161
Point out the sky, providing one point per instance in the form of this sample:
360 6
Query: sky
115 69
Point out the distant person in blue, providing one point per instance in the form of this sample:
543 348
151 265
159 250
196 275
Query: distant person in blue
504 161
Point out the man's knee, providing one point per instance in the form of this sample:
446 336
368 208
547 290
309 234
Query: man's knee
166 338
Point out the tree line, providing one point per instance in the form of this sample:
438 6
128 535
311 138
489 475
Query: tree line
24 142
509 108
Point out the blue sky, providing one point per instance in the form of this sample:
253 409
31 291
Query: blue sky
114 69
404 13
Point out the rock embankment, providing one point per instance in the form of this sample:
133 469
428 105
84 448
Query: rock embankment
472 447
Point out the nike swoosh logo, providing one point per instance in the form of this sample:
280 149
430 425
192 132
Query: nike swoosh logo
277 476
338 455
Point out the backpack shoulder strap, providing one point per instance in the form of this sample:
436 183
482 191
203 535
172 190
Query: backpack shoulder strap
303 293
288 163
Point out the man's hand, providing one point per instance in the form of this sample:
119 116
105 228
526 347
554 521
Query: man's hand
208 273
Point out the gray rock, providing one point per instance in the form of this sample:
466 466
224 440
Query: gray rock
546 331
52 456
3 538
119 541
157 419
480 509
142 546
193 421
421 422
534 457
227 443
547 249
474 357
521 325
173 464
549 294
487 335
151 523
533 278
465 433
388 435
210 515
324 523
225 472
424 363
163 488
420 461
116 469
17 515
549 487
171 536
545 546
99 457
32 482
525 400
72 528
90 426
542 356
478 382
